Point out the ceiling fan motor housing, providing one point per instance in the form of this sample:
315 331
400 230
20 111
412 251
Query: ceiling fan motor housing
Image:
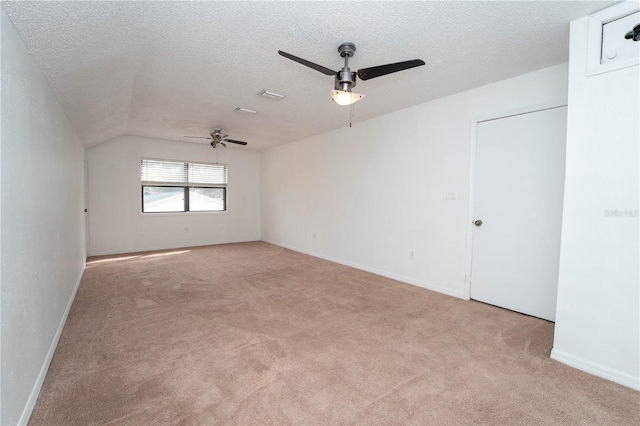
217 132
345 80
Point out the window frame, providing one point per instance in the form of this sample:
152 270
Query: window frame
185 188
595 24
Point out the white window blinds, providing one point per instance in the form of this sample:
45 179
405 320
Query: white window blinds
207 174
174 173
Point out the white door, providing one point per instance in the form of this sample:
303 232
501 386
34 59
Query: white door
519 182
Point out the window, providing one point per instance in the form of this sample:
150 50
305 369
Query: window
178 186
598 46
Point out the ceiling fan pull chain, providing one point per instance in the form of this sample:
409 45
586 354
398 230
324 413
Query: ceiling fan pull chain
352 113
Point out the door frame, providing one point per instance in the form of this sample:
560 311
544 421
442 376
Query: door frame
472 180
86 206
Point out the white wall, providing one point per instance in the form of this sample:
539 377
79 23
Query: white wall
116 224
375 192
597 327
43 242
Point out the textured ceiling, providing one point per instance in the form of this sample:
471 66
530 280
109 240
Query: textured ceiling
168 69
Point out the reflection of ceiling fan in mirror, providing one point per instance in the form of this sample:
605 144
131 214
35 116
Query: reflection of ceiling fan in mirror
217 138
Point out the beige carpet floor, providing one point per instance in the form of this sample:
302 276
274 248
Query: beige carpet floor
255 334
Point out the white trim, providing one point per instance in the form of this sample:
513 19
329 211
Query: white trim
171 246
472 180
594 40
468 256
391 275
85 215
596 369
617 11
510 112
37 387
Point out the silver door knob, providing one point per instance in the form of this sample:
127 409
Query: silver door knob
478 222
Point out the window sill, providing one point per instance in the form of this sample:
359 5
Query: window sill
168 214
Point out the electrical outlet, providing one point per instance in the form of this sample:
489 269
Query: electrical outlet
313 236
451 194
411 255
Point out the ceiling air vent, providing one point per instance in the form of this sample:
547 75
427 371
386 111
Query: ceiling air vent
245 111
271 95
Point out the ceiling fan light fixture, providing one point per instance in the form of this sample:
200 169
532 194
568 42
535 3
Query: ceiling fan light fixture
343 97
245 111
271 95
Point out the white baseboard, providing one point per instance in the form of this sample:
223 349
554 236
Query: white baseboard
428 286
169 246
596 369
35 392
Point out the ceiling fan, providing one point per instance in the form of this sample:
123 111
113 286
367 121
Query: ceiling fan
217 138
345 79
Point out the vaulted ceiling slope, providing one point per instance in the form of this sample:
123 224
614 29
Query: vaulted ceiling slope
168 69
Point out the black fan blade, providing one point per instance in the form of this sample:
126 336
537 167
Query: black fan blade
238 142
316 67
373 72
